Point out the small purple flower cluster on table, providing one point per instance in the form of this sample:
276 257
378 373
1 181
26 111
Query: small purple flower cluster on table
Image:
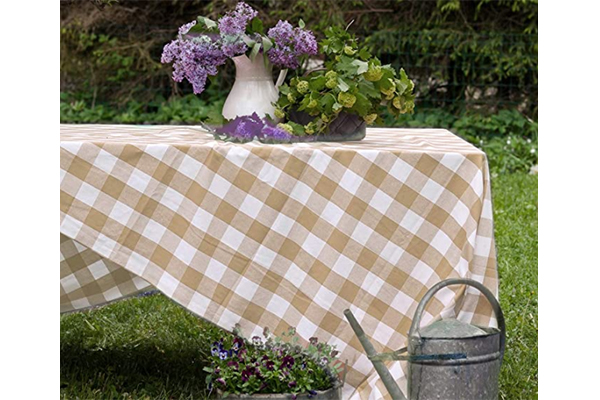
250 127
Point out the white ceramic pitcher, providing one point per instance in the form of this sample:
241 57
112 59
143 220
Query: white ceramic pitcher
253 90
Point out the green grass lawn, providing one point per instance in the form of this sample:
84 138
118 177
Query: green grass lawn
150 348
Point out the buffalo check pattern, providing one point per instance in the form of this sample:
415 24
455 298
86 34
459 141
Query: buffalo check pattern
280 235
87 279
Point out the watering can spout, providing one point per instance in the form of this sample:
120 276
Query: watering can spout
387 379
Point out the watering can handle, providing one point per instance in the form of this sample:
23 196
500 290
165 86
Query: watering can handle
414 328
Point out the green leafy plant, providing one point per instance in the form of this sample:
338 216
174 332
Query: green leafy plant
351 80
271 365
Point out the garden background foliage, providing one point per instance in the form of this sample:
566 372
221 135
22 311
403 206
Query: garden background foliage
474 63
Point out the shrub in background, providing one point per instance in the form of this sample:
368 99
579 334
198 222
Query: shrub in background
461 54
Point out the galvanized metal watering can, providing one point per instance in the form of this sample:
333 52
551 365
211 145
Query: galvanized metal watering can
448 359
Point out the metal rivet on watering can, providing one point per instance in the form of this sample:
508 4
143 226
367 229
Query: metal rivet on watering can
448 359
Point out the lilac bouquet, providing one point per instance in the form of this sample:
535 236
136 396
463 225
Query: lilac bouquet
204 45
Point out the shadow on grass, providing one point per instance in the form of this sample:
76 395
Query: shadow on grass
140 348
131 372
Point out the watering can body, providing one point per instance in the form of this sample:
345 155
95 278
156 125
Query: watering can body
448 359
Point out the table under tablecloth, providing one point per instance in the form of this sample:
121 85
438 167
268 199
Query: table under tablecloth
280 235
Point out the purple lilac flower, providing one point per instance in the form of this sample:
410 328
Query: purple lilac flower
283 56
312 393
247 128
289 44
234 48
292 384
221 381
281 33
235 22
193 60
214 351
186 28
276 133
304 42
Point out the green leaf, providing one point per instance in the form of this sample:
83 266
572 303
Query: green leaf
362 105
301 24
368 89
363 66
207 23
249 42
342 85
255 50
297 128
401 86
347 66
327 103
267 44
284 89
317 83
256 26
364 54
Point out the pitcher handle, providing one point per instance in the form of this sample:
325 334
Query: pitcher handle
414 328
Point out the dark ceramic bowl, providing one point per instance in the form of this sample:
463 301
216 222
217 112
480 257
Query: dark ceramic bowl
346 127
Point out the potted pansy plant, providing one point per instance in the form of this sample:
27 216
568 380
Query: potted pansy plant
203 45
273 367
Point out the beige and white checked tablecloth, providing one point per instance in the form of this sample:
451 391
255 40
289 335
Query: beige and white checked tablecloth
279 235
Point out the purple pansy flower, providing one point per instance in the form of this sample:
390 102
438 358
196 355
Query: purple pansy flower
223 354
247 373
232 364
256 340
238 343
287 362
